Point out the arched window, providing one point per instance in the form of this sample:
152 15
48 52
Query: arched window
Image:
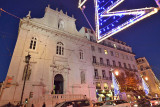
83 79
60 48
33 43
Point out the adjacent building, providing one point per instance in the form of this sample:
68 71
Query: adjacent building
149 76
63 60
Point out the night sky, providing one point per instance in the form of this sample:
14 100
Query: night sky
143 37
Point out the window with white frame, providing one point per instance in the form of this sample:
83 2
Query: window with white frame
33 43
60 48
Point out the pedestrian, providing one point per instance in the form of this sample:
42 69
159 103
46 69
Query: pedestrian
44 105
32 105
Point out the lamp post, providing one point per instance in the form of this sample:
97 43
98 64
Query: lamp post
27 59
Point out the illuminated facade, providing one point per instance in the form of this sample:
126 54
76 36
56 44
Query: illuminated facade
149 76
63 60
107 55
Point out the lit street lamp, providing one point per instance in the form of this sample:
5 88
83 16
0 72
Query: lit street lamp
146 78
116 73
27 59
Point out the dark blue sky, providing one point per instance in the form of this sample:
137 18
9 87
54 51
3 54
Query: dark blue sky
143 37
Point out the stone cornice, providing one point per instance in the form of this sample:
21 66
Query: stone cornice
25 24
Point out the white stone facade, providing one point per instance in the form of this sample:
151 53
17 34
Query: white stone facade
149 76
56 47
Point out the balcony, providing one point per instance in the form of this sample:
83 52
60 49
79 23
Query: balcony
111 46
105 78
97 77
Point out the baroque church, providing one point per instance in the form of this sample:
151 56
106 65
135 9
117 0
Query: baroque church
63 60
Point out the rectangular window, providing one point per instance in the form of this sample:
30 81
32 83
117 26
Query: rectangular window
95 72
131 58
120 64
110 75
144 73
94 59
108 63
117 54
125 66
126 57
99 50
129 66
105 52
112 53
103 74
114 63
134 67
92 48
101 60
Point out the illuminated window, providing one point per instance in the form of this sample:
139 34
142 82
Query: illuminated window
114 45
105 86
60 48
105 52
98 85
33 43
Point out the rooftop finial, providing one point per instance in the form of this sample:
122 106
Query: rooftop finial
29 15
56 9
61 11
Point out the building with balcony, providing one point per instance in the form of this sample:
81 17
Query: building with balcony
63 60
149 76
109 54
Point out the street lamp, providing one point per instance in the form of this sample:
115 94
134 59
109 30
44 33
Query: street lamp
116 73
146 78
27 59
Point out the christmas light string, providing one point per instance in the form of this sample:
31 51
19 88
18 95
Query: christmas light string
9 13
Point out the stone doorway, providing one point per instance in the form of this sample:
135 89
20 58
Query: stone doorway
58 83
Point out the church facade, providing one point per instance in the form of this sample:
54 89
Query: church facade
63 60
